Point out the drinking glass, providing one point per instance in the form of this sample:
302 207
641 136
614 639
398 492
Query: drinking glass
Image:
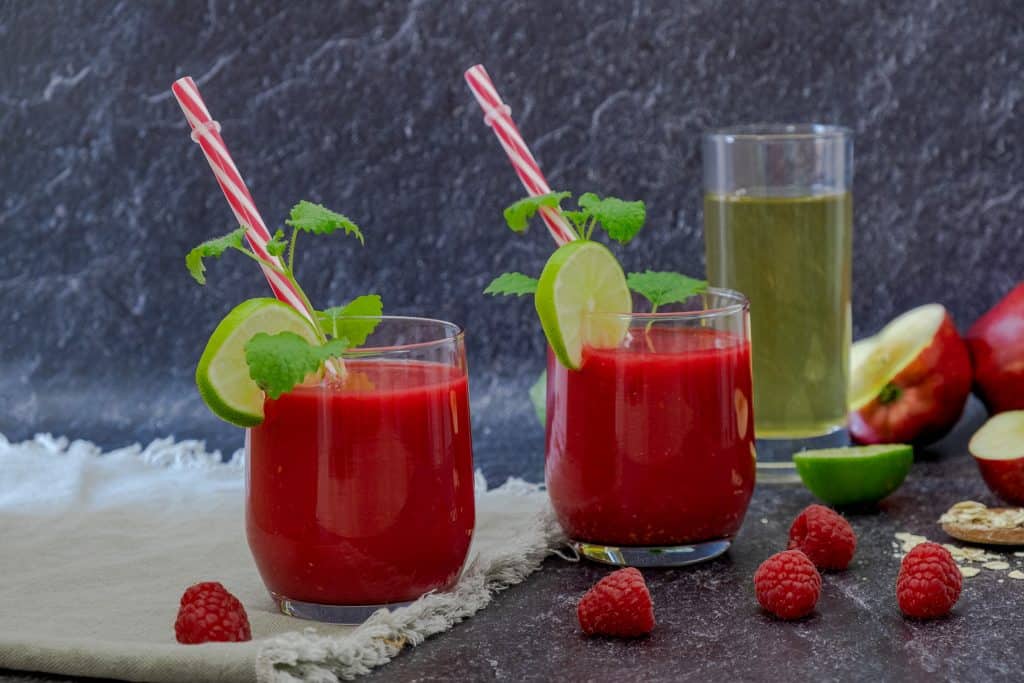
359 491
650 443
778 223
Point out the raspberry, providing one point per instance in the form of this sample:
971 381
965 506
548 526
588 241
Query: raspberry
929 582
824 536
788 584
618 605
208 613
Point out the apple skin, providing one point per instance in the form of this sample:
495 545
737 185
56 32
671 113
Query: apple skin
925 400
1004 477
996 343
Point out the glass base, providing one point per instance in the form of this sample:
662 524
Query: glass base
775 456
349 615
651 556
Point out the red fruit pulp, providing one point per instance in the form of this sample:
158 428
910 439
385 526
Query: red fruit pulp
652 444
363 494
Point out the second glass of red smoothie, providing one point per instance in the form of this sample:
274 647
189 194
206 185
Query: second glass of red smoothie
360 490
650 455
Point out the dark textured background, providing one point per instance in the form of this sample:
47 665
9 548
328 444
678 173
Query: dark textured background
362 105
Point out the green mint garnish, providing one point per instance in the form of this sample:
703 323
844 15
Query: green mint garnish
349 321
212 249
512 284
622 220
661 288
279 362
314 218
518 215
277 244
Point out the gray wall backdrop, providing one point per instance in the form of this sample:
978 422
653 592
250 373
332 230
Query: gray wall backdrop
361 105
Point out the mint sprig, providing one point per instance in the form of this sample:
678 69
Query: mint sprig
663 287
622 220
518 214
355 321
314 218
279 362
512 284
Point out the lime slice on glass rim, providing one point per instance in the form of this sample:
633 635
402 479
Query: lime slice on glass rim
223 375
582 277
856 474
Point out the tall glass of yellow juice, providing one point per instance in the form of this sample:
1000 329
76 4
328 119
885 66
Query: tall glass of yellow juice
778 224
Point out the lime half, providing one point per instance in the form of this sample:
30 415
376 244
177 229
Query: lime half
858 474
580 278
223 375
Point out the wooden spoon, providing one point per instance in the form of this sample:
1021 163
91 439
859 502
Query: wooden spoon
975 523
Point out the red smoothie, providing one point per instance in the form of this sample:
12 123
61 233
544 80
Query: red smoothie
362 494
652 443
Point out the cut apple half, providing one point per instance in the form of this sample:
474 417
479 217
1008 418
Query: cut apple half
875 360
998 448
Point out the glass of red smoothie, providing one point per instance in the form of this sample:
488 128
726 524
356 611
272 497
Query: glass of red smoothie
650 455
360 491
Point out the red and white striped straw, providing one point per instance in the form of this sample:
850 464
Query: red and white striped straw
498 116
206 132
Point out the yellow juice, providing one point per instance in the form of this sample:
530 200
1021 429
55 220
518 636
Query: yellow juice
791 257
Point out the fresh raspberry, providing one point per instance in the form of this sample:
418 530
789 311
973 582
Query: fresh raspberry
208 613
618 605
929 582
824 536
788 584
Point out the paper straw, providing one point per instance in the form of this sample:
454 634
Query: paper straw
498 116
206 132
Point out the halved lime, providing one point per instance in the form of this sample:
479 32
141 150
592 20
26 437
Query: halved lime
858 474
223 375
582 277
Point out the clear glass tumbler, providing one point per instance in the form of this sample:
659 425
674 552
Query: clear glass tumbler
650 444
778 224
359 492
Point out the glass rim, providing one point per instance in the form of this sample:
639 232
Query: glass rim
778 132
739 304
457 334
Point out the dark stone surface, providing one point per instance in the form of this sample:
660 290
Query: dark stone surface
361 105
711 628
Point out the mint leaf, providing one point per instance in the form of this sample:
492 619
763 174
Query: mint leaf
279 362
621 220
539 397
518 215
314 218
212 249
662 288
512 284
277 244
338 321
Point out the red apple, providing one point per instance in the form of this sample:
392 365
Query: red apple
996 342
998 448
909 382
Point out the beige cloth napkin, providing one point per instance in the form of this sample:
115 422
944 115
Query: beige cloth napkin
96 549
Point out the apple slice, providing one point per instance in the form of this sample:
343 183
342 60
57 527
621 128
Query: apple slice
910 382
998 448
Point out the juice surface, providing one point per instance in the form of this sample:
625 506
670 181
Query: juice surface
652 445
363 494
791 257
